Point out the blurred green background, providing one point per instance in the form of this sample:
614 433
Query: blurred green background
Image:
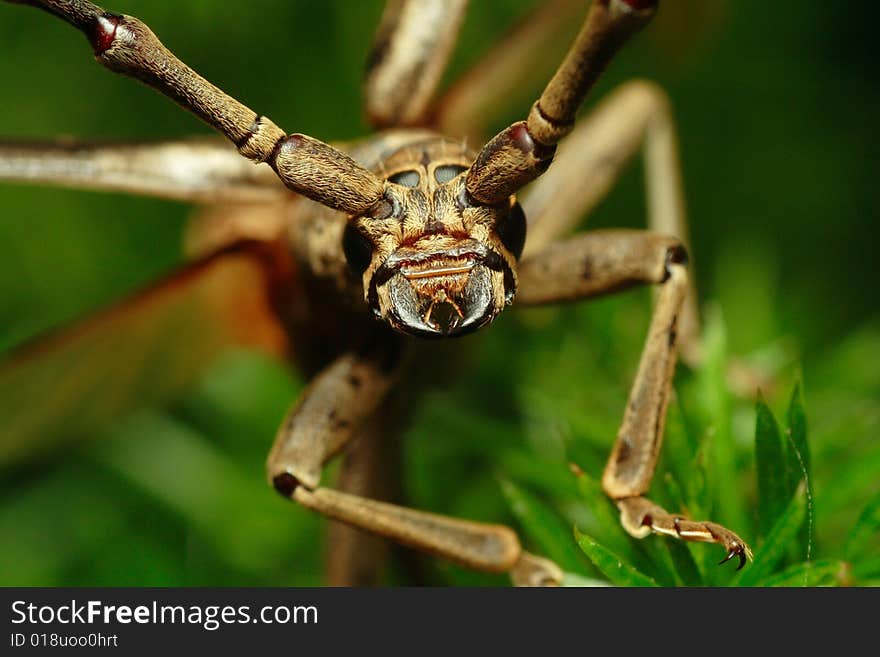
776 106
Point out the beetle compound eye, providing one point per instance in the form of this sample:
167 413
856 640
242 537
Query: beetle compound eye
447 172
512 230
406 178
357 248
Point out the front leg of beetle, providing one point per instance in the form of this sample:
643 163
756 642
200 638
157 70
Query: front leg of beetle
337 404
606 261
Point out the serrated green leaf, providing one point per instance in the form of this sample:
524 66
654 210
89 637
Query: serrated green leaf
611 564
770 461
543 525
778 541
866 532
825 572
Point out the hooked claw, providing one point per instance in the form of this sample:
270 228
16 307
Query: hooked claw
736 550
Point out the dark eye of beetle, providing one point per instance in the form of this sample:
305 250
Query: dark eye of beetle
447 172
512 230
405 178
357 248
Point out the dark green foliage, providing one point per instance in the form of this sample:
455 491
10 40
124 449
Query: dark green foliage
773 489
864 538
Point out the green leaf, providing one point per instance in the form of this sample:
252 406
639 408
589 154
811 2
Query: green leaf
825 572
778 542
544 526
773 491
610 564
799 458
798 449
866 530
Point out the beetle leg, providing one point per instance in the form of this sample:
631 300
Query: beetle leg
343 397
410 51
200 170
509 72
524 150
599 263
591 160
368 469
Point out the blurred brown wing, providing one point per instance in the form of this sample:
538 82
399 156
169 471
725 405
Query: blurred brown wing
145 349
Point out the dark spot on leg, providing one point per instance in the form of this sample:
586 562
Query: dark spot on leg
623 451
587 269
286 484
380 48
355 381
251 131
673 334
648 520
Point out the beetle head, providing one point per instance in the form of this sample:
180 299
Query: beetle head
435 262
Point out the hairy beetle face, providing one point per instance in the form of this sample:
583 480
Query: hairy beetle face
439 264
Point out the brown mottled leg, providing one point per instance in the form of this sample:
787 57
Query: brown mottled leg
341 398
510 71
524 150
591 160
410 51
602 262
200 170
354 557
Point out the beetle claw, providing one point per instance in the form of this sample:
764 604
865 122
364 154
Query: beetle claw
736 551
